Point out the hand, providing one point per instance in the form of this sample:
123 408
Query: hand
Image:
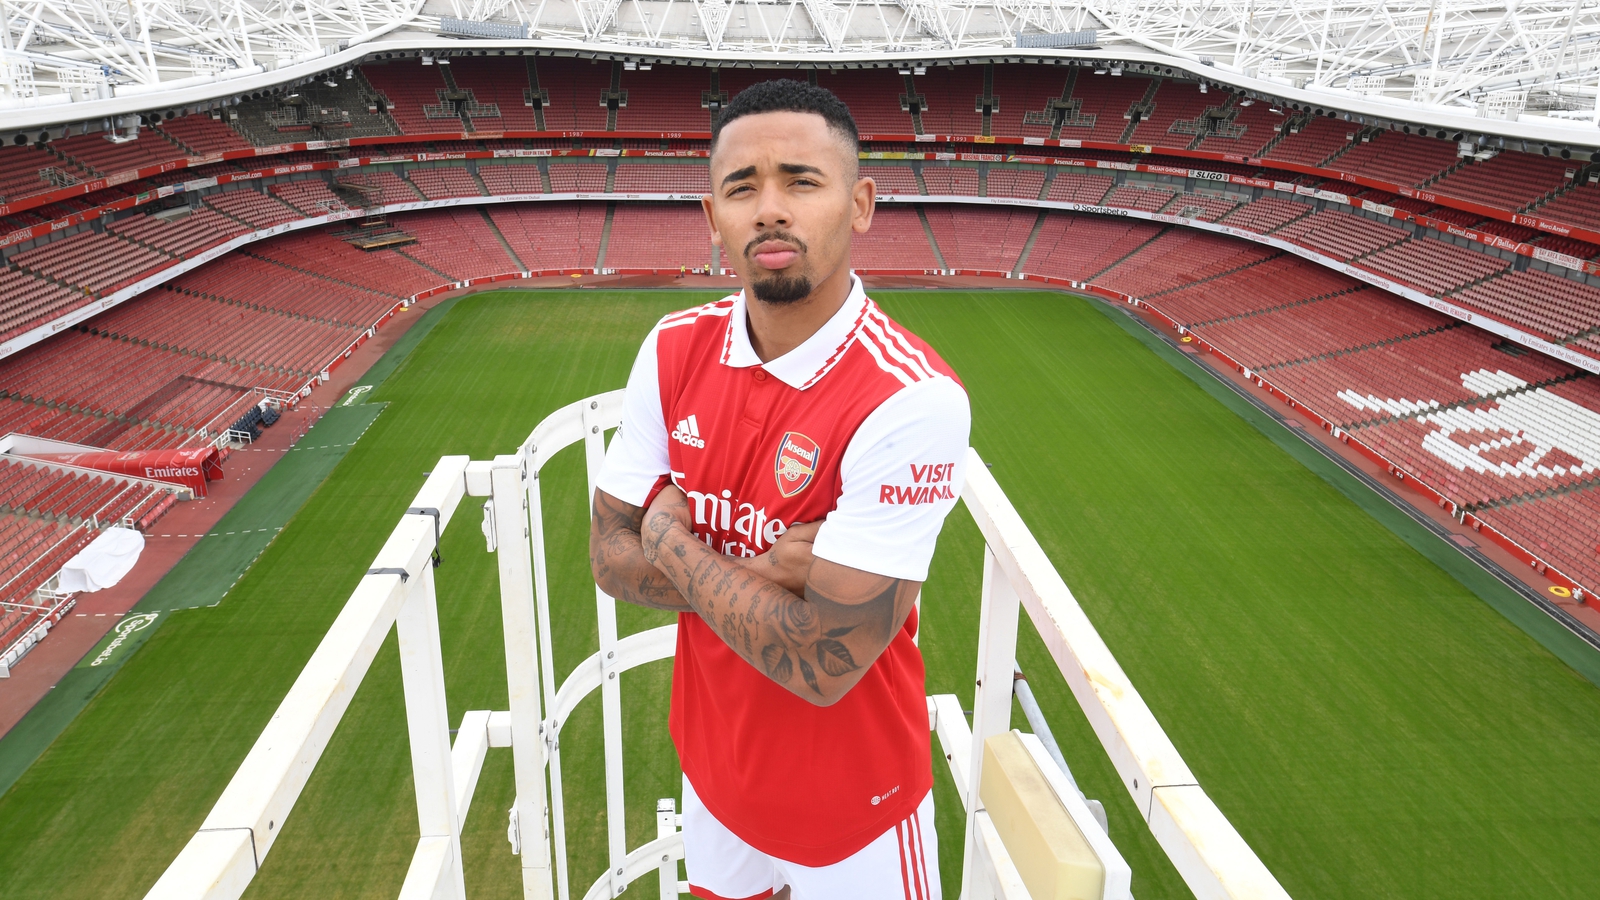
670 507
788 563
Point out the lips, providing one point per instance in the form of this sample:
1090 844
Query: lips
774 255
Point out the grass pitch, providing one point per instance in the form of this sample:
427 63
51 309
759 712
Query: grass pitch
1371 726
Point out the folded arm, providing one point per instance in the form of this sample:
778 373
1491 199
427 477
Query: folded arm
620 568
817 643
618 561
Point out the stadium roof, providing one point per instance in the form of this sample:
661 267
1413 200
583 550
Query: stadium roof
1527 70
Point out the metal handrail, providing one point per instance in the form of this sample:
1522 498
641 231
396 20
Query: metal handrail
398 591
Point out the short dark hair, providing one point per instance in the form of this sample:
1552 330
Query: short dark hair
788 95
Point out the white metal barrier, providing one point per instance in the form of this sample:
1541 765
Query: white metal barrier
398 591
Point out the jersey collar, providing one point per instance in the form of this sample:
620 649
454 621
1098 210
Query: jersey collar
803 366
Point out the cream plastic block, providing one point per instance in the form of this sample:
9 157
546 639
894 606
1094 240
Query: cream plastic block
1052 854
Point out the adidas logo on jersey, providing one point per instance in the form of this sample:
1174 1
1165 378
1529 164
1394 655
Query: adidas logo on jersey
688 433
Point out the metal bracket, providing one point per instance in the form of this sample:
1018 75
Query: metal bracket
404 575
429 511
255 855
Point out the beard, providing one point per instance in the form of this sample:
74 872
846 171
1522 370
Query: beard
782 287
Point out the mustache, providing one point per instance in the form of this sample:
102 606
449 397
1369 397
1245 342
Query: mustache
778 235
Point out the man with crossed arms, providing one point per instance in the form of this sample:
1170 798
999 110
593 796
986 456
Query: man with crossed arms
786 459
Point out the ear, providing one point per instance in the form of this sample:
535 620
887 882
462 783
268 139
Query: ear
711 220
863 200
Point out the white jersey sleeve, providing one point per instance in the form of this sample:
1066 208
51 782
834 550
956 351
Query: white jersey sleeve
637 455
902 474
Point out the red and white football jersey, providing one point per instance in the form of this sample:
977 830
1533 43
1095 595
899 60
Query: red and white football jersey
862 425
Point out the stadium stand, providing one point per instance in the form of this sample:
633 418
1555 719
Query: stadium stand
48 514
314 196
1107 101
1149 198
323 254
892 179
252 207
272 341
253 283
1406 159
413 96
576 88
1024 95
161 387
1509 181
662 236
1273 283
90 261
663 178
1205 207
512 179
1558 528
1557 308
1322 324
553 235
980 238
667 99
203 135
100 156
440 182
29 301
951 181
1024 183
182 236
1266 214
950 100
25 171
568 178
1342 235
1579 206
500 89
1316 331
1174 102
1078 248
378 188
1310 141
311 196
1180 256
1433 267
458 243
1246 132
896 241
873 97
1421 369
1071 187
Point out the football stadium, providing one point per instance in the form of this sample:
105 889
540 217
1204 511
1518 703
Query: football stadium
1271 573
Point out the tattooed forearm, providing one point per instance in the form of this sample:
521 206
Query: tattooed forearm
618 560
817 645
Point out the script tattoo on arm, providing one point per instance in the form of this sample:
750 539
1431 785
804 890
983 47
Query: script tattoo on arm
819 645
617 559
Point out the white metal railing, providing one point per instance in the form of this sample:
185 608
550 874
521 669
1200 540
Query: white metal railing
398 591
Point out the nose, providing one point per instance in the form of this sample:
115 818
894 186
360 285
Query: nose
772 212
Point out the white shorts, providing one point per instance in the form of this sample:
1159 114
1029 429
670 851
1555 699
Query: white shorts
901 864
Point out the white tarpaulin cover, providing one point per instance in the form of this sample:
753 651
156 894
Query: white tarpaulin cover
103 563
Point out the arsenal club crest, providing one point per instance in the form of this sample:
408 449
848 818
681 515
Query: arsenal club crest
797 461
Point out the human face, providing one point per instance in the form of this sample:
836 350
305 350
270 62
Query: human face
785 198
